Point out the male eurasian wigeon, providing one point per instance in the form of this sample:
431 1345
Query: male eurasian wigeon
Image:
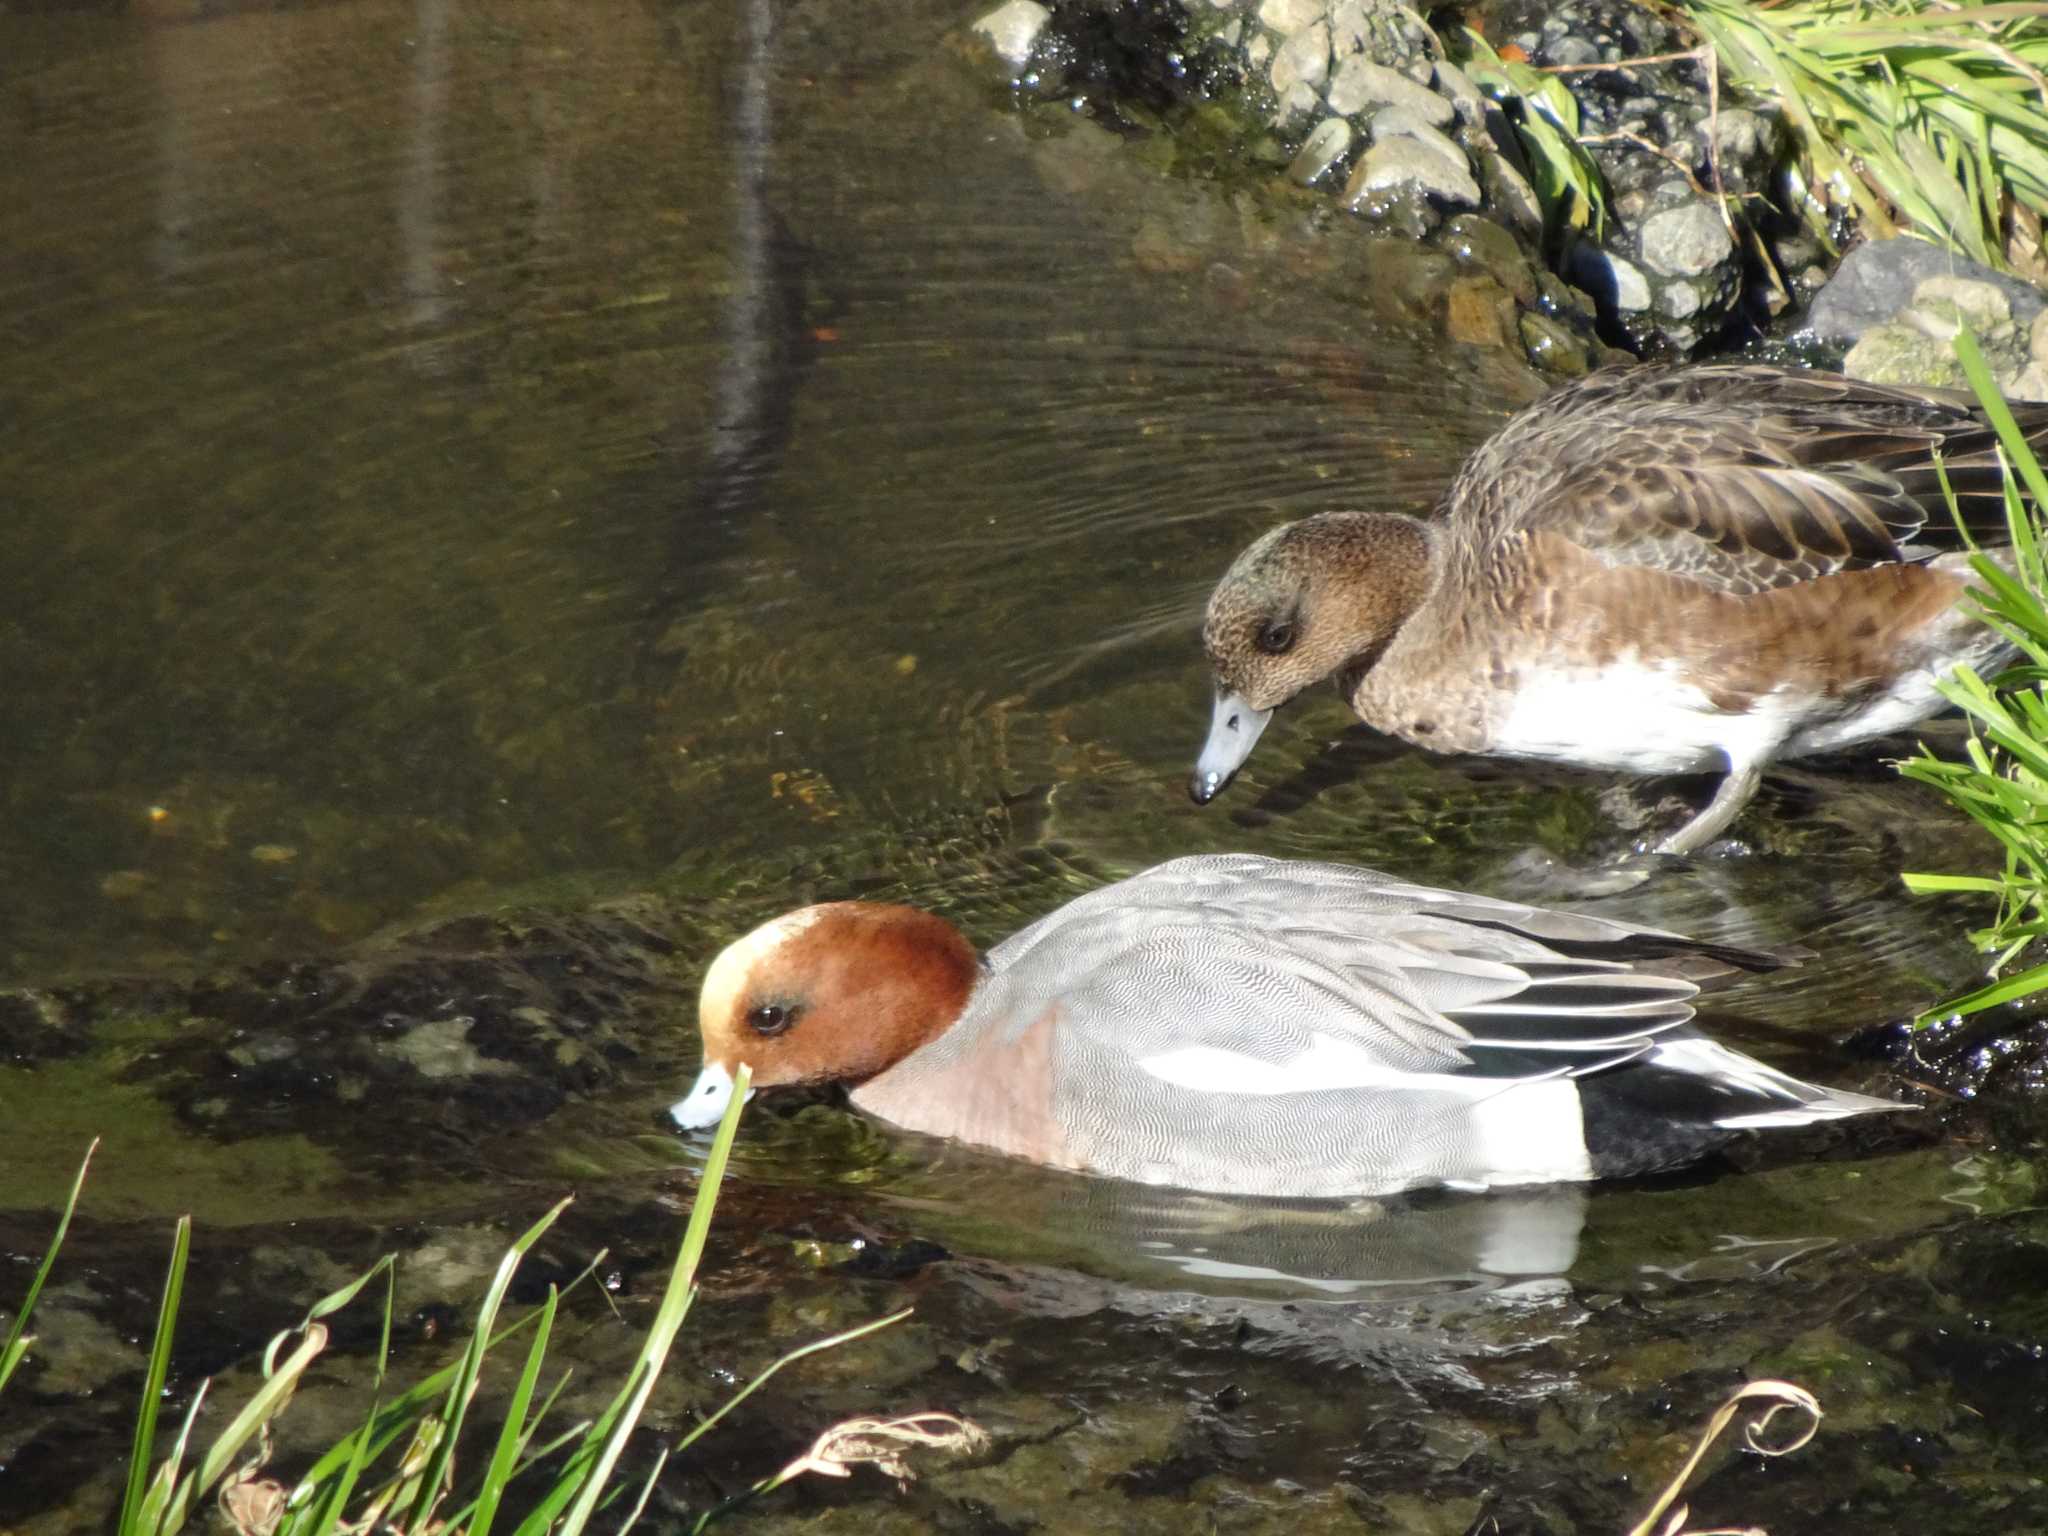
1255 1026
1657 570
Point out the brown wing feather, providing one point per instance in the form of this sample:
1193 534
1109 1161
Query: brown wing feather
1741 477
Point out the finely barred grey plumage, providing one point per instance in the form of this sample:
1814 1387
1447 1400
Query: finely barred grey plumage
1191 1006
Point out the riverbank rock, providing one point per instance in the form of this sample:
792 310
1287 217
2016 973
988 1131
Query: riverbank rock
1667 268
1354 101
1901 303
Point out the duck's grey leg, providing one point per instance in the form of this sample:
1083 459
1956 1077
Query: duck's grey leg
1736 788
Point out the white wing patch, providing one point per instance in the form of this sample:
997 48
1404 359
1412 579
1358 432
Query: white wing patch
1328 1063
1527 1132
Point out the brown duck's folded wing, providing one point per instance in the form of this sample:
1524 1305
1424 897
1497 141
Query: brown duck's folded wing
1742 478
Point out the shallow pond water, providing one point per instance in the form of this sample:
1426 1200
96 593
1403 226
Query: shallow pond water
660 464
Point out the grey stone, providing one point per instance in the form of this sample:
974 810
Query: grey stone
1877 280
2030 383
1685 241
1012 30
1304 59
1559 296
1738 133
1327 143
1390 121
1572 50
1678 301
1613 282
1350 28
1901 354
1401 123
1288 17
1943 305
1297 102
1551 347
1480 244
1404 162
1359 83
2037 338
1456 87
1509 194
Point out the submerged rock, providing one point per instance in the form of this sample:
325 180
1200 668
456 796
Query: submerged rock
1324 148
1012 30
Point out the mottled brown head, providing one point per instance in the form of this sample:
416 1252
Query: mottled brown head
1306 600
833 993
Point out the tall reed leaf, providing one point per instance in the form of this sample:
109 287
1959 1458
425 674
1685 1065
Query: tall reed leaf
2002 784
1905 110
18 1340
133 1505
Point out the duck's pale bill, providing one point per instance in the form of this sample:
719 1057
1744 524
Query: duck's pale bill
705 1103
1233 732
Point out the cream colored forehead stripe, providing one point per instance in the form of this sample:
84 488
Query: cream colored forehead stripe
725 984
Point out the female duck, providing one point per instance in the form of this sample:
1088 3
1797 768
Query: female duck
1656 571
1252 1026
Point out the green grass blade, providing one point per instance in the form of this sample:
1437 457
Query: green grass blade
463 1387
517 1431
1937 885
325 1491
395 1420
334 1301
2014 441
675 1304
794 1355
646 1488
2008 989
329 1502
163 1486
2003 784
282 1379
153 1382
16 1347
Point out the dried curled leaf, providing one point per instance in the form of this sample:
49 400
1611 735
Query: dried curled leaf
1780 1395
252 1505
882 1443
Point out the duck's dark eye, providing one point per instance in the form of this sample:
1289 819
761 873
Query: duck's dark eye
771 1018
1276 638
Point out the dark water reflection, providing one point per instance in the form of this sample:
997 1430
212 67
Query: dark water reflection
386 382
462 455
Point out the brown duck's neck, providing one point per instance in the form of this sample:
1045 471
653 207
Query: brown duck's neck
1397 558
